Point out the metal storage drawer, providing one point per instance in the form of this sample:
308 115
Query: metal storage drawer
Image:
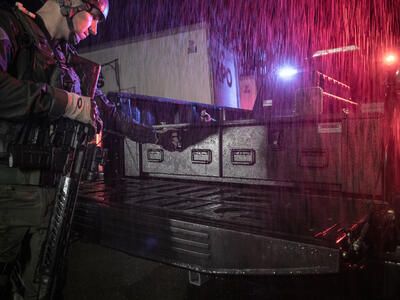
244 151
305 152
201 159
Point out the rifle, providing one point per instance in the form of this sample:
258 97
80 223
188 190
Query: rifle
51 263
72 138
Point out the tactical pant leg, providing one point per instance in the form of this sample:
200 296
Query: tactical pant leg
5 284
24 213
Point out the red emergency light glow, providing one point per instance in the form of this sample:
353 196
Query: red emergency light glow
390 59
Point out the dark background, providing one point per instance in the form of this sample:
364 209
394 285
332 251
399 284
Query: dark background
266 34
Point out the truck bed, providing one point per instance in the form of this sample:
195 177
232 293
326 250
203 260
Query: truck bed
219 228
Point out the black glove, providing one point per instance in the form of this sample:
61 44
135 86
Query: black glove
194 135
168 139
179 140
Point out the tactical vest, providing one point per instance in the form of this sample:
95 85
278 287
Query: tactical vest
37 62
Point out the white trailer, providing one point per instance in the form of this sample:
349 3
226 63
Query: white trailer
185 63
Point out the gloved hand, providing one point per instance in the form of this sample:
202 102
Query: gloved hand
206 117
82 109
168 139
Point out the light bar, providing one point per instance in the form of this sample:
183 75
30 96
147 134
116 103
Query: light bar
335 50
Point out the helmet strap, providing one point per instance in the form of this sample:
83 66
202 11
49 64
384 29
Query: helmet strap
69 12
72 36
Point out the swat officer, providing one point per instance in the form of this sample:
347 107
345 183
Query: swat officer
39 85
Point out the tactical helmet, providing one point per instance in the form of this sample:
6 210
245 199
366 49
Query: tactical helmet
87 5
101 5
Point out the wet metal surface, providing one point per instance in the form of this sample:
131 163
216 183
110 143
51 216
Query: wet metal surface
217 228
282 211
98 273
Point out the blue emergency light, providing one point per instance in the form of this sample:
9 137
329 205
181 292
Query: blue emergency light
287 72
